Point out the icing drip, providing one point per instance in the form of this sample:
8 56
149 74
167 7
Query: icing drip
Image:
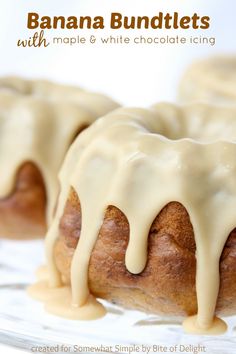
211 79
168 153
42 273
38 121
58 302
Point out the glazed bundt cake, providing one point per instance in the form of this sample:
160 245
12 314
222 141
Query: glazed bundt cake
212 80
38 122
146 217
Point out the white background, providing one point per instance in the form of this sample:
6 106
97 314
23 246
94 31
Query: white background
133 75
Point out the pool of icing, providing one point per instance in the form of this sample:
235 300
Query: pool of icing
24 323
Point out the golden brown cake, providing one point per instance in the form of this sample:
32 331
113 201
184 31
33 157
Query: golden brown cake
38 122
146 217
167 284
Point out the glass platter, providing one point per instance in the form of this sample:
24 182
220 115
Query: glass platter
25 325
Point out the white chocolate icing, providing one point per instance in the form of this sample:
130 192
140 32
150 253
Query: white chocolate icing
38 121
212 80
168 153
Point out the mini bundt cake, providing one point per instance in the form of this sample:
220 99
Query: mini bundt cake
38 122
146 217
211 80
